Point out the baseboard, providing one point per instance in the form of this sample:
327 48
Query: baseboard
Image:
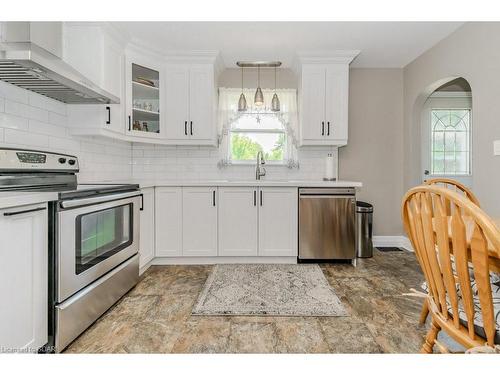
392 241
222 260
145 267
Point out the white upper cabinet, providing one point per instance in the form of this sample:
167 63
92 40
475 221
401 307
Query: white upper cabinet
190 104
323 99
145 89
24 275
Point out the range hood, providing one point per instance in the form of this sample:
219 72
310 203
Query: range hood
30 67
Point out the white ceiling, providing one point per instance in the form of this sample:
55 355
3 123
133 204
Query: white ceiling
382 44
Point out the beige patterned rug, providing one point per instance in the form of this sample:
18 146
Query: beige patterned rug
268 289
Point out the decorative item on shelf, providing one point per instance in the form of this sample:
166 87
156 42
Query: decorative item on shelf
149 107
136 125
275 102
145 81
145 127
242 103
329 166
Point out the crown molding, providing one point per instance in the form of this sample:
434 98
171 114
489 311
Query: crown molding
325 57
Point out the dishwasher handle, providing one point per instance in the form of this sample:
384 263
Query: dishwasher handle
330 192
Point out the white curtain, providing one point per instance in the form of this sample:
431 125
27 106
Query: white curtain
228 113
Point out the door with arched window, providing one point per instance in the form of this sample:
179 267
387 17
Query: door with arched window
447 136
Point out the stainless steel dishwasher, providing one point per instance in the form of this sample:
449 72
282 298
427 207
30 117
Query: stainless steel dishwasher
327 228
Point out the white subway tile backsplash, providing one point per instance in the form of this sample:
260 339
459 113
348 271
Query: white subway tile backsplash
51 105
34 121
18 137
24 110
13 93
13 122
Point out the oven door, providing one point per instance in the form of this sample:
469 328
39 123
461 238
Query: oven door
94 236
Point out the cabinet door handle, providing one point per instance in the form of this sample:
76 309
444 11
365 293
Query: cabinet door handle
322 128
213 198
261 201
328 128
185 128
108 121
142 202
129 127
191 127
255 197
24 211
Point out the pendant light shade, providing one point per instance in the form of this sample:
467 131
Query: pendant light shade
275 102
242 103
259 97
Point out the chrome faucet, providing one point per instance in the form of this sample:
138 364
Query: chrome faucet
259 170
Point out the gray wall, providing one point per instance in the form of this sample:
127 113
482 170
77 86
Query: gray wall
470 53
374 153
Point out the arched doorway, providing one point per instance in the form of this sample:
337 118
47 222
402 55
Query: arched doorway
446 132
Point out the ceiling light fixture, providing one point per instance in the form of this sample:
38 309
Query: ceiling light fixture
275 102
242 103
259 97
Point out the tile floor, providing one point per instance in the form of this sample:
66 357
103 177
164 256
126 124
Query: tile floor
154 317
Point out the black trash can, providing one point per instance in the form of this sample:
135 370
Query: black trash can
364 223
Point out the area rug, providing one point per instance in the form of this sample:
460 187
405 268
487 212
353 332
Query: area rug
268 289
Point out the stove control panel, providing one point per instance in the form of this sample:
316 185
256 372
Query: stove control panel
30 160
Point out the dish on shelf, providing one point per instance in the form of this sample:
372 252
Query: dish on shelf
145 81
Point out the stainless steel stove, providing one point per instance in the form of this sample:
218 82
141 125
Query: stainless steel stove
93 237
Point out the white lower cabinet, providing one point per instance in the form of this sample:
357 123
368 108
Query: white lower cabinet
238 221
199 221
168 221
24 277
147 233
278 221
226 221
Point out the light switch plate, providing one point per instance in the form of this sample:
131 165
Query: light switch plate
496 148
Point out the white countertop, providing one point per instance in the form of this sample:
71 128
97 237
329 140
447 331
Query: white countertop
277 183
15 198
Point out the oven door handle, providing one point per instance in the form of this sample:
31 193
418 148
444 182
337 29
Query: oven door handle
71 203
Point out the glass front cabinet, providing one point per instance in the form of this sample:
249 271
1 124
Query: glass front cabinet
144 95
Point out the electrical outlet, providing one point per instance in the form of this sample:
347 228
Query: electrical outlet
496 148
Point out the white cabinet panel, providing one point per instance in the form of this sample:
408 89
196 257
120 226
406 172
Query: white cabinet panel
199 221
177 102
278 221
24 278
147 233
323 97
313 103
337 93
168 221
201 104
237 213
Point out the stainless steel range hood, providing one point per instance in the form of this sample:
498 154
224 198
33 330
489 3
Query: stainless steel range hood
30 67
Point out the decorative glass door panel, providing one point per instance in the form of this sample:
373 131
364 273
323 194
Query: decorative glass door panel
145 99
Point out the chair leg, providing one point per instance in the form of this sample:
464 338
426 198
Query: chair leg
424 313
430 339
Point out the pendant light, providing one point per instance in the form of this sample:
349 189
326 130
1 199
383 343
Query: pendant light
275 102
259 97
242 103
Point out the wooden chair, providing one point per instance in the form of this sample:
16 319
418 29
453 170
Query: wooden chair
455 305
460 188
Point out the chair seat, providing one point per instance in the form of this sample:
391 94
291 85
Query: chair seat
478 317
